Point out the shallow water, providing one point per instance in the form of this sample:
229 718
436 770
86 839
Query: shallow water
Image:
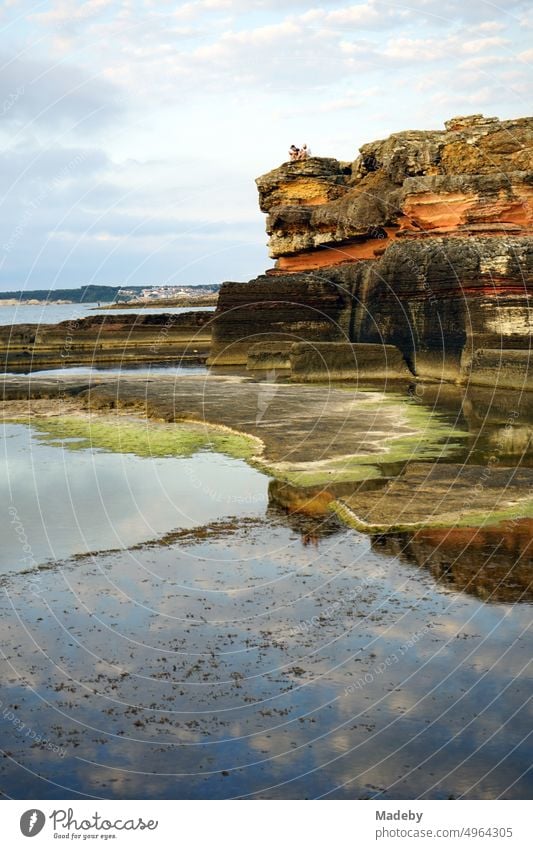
70 502
54 313
261 653
147 369
253 662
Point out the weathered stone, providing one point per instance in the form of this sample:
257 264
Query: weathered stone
501 369
312 181
491 204
290 309
479 145
345 361
442 495
316 500
440 299
423 243
269 355
436 299
474 177
107 338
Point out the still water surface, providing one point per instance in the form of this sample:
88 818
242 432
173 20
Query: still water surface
131 370
54 313
71 502
268 656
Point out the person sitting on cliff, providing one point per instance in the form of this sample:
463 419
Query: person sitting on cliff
304 153
294 153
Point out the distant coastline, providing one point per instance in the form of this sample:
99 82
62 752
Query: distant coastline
117 297
81 294
32 302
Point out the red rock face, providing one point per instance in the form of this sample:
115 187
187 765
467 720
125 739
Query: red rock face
423 242
458 213
473 179
335 254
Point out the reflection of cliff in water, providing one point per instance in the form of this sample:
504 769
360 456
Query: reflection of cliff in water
500 423
311 528
494 563
306 509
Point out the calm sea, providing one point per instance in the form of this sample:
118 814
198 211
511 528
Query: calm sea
54 313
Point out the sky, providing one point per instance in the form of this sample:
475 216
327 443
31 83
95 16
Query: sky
132 130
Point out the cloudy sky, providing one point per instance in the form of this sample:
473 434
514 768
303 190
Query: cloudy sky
132 130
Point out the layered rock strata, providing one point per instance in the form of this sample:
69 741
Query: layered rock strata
473 178
423 242
343 361
308 361
122 339
293 308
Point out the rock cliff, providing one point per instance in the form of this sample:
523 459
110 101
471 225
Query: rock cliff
423 242
474 178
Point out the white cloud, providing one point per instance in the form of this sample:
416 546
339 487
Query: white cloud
36 93
491 26
362 16
65 12
189 89
418 49
477 45
488 61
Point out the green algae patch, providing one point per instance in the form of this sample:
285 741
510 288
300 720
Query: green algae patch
367 440
475 519
144 438
337 470
351 438
422 436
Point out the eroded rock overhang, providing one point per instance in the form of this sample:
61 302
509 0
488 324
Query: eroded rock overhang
472 179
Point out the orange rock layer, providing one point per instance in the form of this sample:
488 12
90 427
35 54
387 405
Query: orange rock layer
473 179
334 254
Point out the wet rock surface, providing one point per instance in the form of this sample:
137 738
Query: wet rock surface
304 431
442 494
323 436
